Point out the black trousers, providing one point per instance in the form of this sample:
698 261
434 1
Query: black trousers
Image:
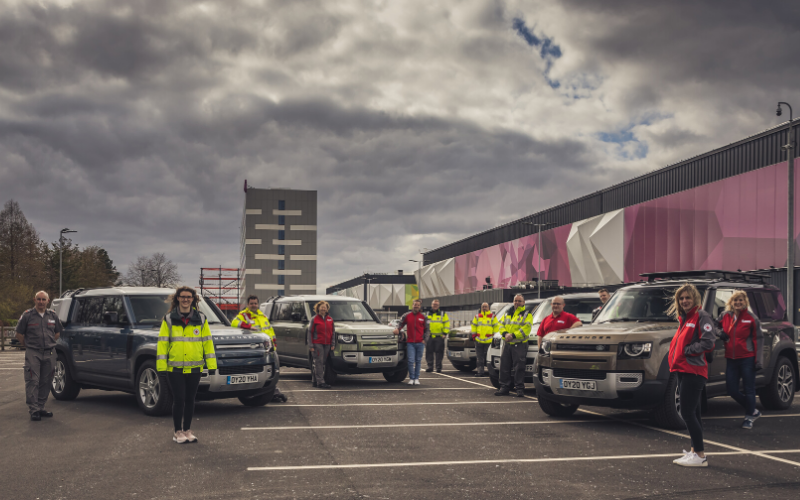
512 366
434 351
691 391
480 353
184 391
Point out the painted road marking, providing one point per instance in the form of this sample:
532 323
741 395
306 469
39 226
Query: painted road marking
421 388
445 424
500 461
673 433
762 416
407 404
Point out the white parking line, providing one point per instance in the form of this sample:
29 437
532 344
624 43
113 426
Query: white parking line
500 461
422 388
762 416
443 424
673 433
407 404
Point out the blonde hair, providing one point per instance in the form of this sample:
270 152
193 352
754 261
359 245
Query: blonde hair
319 304
736 294
674 309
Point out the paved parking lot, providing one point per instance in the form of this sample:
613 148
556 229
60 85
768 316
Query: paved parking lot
448 438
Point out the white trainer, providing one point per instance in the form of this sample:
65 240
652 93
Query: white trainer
693 460
416 381
179 437
685 454
411 381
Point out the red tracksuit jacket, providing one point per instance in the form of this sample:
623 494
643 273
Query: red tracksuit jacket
417 327
695 336
746 339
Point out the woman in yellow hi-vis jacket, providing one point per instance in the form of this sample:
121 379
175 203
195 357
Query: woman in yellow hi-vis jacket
184 346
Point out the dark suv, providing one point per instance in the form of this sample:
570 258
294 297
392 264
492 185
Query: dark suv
109 342
620 360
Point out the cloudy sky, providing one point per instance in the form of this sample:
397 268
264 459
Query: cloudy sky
419 122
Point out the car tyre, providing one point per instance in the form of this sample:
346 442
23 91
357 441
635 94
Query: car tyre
555 409
668 413
396 376
329 375
64 388
260 400
495 380
152 390
779 393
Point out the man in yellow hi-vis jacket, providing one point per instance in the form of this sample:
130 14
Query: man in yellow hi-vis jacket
253 319
515 326
484 326
439 323
184 346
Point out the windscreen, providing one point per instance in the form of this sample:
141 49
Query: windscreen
151 309
347 310
582 308
638 304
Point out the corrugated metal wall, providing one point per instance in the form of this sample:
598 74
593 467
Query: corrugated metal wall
749 154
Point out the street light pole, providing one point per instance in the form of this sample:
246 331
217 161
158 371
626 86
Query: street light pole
61 257
789 147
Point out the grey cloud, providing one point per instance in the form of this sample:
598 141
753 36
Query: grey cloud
144 123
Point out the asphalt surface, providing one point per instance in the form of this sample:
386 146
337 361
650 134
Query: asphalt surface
366 438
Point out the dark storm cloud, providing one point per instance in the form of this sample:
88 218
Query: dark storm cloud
418 124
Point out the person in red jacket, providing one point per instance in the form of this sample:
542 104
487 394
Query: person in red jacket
695 336
417 333
321 341
744 344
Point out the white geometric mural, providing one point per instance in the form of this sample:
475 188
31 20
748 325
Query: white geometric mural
595 250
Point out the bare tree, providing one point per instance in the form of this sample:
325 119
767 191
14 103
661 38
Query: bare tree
155 270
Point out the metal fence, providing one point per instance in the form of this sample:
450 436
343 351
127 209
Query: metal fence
6 335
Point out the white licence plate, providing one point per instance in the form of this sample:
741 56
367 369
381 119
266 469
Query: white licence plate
580 385
529 368
380 359
454 354
242 379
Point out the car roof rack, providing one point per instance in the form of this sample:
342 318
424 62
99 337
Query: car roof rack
746 276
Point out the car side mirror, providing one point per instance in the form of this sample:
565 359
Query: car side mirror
110 318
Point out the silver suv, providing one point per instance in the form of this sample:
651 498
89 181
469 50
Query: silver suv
363 344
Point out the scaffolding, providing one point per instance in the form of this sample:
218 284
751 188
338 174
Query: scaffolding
222 286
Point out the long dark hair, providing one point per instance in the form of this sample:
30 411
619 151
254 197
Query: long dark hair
173 299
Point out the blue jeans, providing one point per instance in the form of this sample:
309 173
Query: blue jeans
744 369
414 352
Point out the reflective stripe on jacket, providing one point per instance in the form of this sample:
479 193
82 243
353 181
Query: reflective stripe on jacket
518 324
484 326
438 323
746 339
258 321
695 337
185 346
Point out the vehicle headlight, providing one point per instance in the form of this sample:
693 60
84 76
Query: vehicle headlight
546 347
635 350
267 344
347 339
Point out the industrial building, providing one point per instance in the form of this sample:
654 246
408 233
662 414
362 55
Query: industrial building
725 209
278 243
382 291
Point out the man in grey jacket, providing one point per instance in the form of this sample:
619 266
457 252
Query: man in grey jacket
38 330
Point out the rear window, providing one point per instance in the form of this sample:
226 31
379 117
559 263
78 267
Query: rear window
770 305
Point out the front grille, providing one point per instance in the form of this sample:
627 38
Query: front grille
380 353
238 370
455 348
582 347
579 374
